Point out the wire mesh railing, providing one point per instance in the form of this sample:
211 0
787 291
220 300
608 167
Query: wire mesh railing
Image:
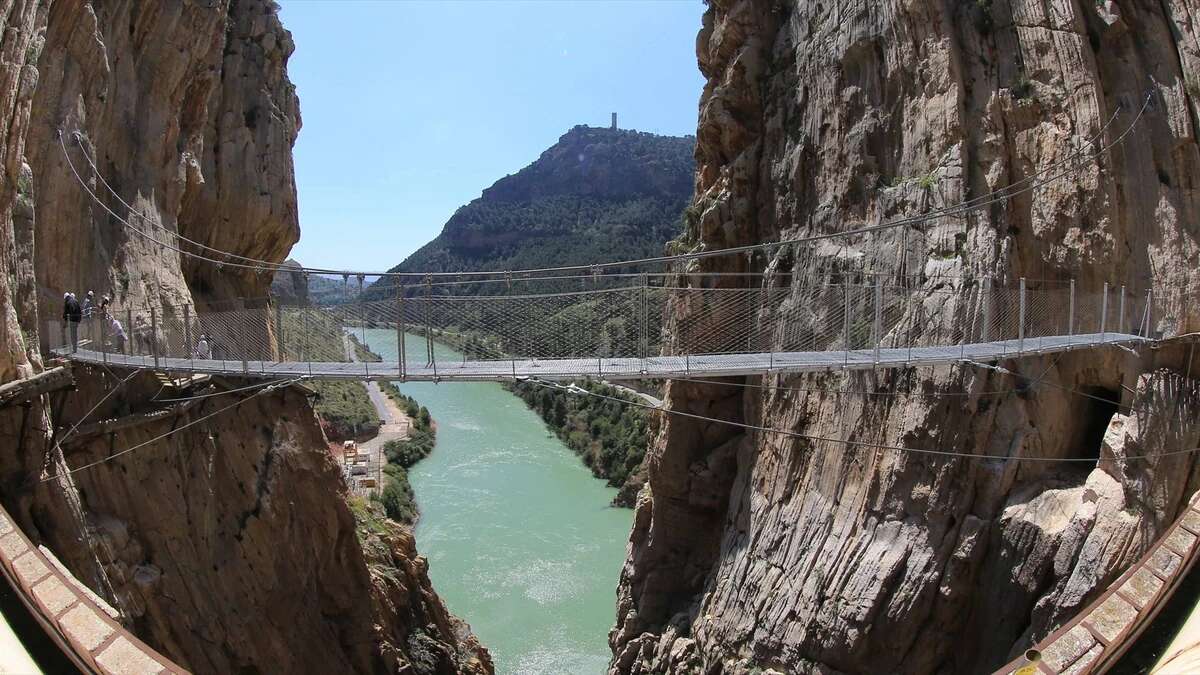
639 321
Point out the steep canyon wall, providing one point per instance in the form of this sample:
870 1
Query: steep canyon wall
757 550
229 545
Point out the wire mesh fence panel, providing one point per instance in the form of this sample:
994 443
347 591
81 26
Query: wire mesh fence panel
713 321
806 318
631 321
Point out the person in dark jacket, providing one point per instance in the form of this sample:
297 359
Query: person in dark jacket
72 315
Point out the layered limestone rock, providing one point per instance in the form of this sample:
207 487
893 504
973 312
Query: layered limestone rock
760 551
222 536
22 429
186 110
229 545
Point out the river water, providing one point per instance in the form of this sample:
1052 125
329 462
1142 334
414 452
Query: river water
521 541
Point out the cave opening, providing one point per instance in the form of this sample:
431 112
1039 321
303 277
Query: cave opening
1099 406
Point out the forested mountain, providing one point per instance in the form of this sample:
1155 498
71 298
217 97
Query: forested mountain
597 194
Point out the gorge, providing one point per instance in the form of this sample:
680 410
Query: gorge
800 535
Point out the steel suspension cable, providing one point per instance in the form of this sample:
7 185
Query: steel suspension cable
110 392
197 397
968 206
858 444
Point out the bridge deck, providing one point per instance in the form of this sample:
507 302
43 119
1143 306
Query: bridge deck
711 365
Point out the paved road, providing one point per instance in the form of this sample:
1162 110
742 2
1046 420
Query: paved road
395 423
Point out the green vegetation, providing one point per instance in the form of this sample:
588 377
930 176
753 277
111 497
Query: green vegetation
376 535
421 436
610 436
367 518
345 409
397 495
361 352
596 195
290 285
1023 87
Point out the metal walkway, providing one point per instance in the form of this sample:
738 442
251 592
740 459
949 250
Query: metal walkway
636 330
713 365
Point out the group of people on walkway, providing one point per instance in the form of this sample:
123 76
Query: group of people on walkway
101 326
95 319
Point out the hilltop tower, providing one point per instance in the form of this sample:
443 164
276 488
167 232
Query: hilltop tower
614 121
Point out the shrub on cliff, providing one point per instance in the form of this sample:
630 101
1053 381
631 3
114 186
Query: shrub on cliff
345 410
609 436
397 497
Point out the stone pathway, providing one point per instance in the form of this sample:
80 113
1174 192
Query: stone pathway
79 621
1098 635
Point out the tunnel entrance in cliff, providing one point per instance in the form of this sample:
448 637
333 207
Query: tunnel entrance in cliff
1099 406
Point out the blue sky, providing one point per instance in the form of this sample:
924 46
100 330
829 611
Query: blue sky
411 109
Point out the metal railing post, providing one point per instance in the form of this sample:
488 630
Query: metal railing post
103 340
1104 312
246 328
154 334
187 331
280 340
644 320
400 330
1149 312
362 313
846 324
988 292
129 329
429 320
304 324
877 328
1071 314
1121 312
1021 319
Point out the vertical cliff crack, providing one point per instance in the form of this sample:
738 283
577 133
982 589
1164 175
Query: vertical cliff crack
262 485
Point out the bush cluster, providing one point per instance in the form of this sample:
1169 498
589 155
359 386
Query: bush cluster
610 436
397 496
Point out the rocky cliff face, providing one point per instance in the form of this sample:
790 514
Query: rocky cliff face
228 545
186 109
763 551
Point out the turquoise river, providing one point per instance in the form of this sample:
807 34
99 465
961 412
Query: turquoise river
521 540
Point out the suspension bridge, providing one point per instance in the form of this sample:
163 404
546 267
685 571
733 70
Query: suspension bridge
872 296
865 296
629 331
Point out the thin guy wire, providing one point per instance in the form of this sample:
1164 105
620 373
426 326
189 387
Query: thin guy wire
143 444
960 209
860 444
220 393
104 398
1077 153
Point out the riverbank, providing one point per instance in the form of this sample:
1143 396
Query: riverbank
401 454
406 436
609 436
519 536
